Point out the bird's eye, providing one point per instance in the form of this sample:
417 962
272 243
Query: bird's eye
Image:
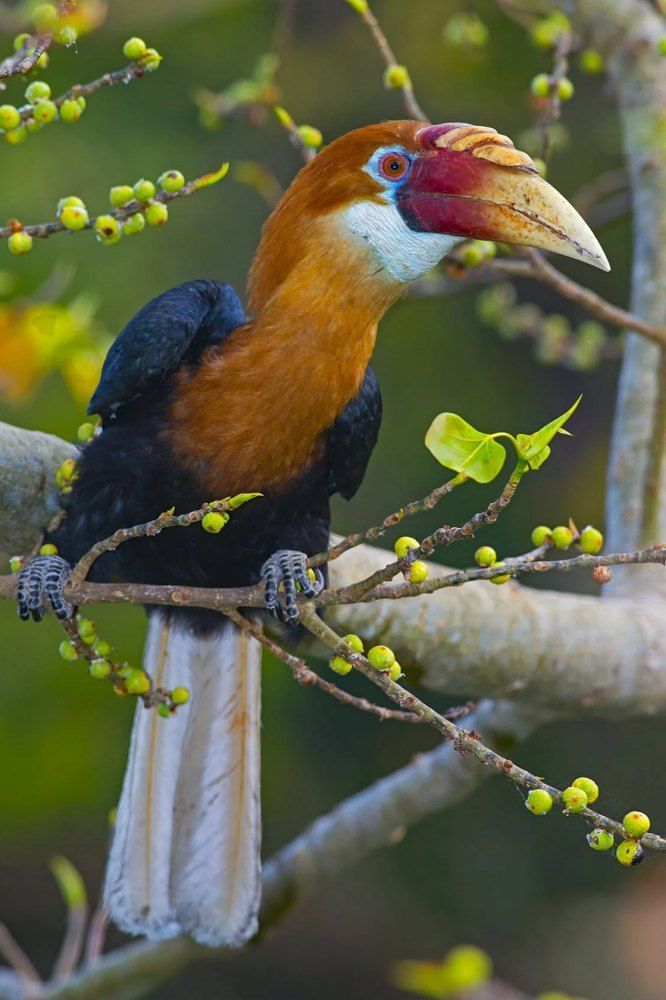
394 166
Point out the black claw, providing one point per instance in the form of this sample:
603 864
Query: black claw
43 579
288 567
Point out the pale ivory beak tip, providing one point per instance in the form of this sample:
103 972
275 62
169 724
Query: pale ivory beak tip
596 257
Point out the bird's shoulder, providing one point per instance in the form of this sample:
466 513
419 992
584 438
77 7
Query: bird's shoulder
171 329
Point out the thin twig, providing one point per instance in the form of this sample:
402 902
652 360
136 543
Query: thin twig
542 269
72 945
32 49
149 529
134 71
601 187
46 229
228 599
96 935
465 742
444 536
536 267
291 128
15 956
308 678
517 566
412 106
554 103
284 27
377 530
26 58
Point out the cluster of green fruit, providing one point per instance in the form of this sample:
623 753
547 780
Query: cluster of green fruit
590 540
543 85
583 792
110 228
68 472
137 50
213 520
17 563
47 18
126 679
415 571
380 657
547 33
100 666
73 214
17 124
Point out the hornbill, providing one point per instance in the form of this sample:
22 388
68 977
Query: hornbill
200 402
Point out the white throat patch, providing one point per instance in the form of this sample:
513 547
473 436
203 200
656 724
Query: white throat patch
404 253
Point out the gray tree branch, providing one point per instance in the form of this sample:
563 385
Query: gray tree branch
28 497
569 652
627 32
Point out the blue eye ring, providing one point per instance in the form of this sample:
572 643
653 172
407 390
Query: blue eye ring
393 166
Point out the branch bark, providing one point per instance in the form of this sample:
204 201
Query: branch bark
568 652
28 497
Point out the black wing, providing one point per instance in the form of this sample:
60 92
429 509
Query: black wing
175 326
353 438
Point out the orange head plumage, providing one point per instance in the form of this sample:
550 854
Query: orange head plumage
372 211
384 203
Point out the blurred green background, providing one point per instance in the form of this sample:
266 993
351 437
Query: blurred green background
550 912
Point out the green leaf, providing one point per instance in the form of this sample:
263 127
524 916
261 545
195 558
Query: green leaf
234 502
212 178
523 442
458 446
70 883
533 448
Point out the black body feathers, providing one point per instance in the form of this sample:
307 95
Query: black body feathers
129 474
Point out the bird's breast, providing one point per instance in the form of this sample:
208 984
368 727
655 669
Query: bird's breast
255 414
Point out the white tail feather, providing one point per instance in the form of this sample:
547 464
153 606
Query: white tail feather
185 856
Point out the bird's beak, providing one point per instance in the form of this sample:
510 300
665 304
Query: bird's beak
469 181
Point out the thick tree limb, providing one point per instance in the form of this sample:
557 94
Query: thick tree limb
568 652
28 497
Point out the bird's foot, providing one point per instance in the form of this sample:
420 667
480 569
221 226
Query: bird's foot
285 575
42 580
